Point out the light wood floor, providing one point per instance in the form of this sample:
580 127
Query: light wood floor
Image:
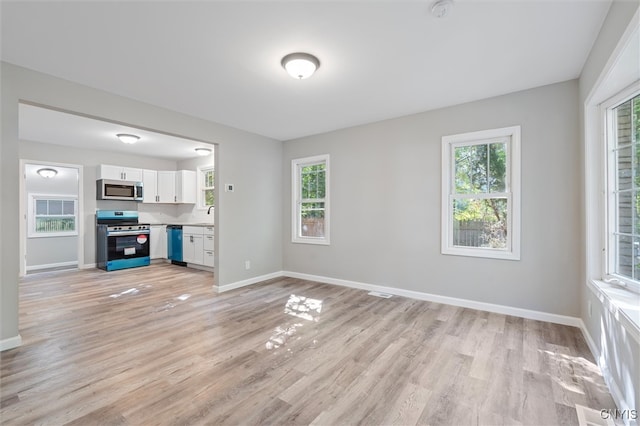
155 345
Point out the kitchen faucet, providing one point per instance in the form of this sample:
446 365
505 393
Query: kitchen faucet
209 210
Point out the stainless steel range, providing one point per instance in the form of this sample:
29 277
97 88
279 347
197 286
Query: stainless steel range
121 241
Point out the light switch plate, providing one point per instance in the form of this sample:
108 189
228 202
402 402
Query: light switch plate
228 187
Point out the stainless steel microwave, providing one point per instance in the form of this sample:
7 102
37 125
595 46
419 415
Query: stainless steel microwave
118 190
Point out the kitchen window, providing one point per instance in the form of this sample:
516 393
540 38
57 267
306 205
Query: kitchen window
622 117
310 200
206 183
52 216
481 194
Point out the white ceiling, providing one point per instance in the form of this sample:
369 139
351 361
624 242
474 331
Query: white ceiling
220 60
61 128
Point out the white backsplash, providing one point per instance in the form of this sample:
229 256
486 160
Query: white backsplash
173 213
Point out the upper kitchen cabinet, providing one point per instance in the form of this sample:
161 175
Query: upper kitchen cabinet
186 187
169 187
119 173
159 186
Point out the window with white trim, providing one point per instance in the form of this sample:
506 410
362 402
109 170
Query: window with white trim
52 216
310 200
206 187
622 117
481 194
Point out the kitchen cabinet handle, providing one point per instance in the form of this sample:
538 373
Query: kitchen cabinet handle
191 238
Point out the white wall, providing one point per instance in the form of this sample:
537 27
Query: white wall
248 221
385 208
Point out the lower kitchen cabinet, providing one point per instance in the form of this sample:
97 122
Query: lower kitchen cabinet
197 245
192 245
158 242
208 246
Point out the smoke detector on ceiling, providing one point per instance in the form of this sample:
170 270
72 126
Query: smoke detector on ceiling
441 8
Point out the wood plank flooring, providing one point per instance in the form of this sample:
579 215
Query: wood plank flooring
156 345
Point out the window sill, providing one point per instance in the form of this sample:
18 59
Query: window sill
623 304
486 253
319 242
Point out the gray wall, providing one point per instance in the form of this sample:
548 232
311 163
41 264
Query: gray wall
385 209
51 250
619 351
248 221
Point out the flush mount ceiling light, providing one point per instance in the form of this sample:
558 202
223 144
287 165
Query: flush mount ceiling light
127 138
441 8
300 65
203 151
47 172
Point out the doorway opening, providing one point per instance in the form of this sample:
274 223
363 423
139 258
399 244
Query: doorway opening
52 223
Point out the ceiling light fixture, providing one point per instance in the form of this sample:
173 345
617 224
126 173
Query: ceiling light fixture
47 172
203 151
441 8
127 138
300 65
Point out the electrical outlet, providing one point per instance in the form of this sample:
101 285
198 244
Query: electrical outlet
247 264
228 187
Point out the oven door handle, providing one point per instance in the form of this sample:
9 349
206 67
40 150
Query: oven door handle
126 233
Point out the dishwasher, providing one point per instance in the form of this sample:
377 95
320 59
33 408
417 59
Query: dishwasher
174 244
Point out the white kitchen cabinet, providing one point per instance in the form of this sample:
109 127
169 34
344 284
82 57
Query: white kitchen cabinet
186 191
208 258
150 186
169 187
106 171
166 186
193 245
208 246
197 245
158 243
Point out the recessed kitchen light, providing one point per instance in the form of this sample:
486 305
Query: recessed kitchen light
47 172
127 138
203 151
300 65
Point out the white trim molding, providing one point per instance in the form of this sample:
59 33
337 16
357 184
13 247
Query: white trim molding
10 343
296 201
52 265
510 137
464 303
248 282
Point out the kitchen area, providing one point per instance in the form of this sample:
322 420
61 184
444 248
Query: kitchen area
140 196
135 238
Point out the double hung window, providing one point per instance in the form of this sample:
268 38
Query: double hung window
52 216
481 194
622 117
206 185
310 200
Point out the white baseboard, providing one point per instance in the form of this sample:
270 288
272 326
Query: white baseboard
88 266
465 303
52 265
250 281
10 343
595 351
